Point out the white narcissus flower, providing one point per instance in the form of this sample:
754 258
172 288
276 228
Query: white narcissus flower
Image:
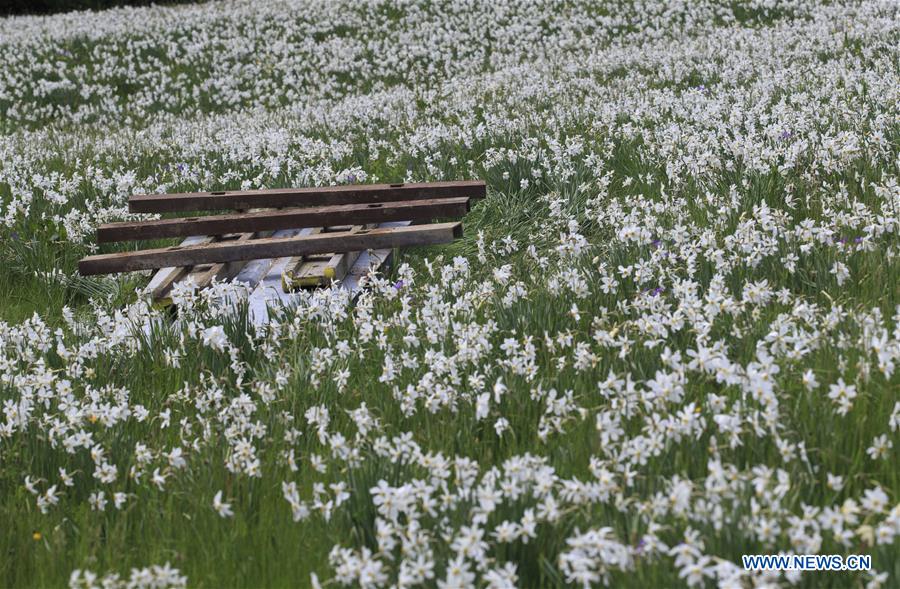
214 337
880 448
835 482
222 508
841 272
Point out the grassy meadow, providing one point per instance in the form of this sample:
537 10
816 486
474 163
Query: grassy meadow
668 338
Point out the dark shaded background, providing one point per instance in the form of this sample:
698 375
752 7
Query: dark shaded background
8 7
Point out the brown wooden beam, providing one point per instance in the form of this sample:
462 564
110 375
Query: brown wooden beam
355 214
303 197
270 248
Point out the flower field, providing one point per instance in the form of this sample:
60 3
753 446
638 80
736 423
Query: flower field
669 337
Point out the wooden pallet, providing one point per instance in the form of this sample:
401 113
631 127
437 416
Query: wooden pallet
295 238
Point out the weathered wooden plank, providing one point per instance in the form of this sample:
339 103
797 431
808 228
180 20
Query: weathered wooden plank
338 266
322 269
164 278
267 291
370 260
269 248
319 270
299 197
203 275
355 214
162 281
256 270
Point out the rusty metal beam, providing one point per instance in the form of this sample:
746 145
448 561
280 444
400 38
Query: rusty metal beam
302 197
269 248
273 220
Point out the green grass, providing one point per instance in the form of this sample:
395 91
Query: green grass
261 546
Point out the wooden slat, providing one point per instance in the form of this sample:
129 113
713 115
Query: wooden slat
300 197
164 278
319 270
269 248
256 270
355 214
338 266
268 292
305 265
203 275
368 260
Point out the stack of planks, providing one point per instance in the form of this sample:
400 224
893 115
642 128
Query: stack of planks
311 236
